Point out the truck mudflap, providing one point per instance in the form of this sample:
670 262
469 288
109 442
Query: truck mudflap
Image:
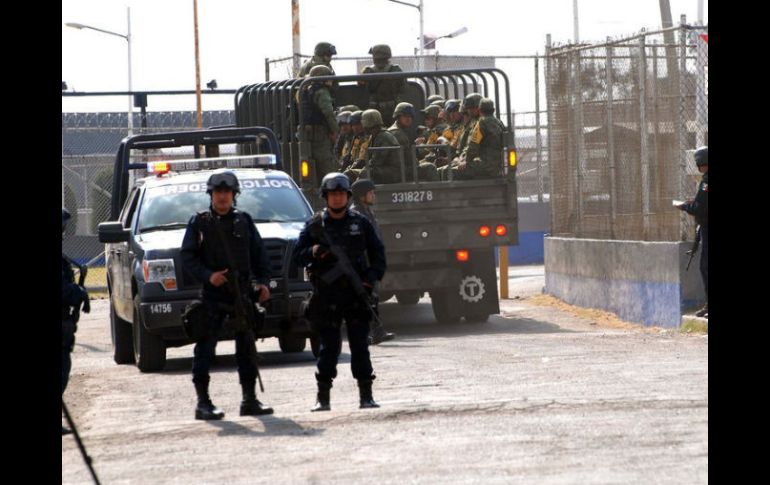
477 287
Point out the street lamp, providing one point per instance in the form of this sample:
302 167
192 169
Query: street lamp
127 36
419 8
454 34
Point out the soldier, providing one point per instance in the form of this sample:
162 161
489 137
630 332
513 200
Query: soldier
435 129
699 208
350 107
319 126
384 165
205 256
482 157
403 132
73 297
471 113
344 135
336 301
454 121
322 56
363 199
356 145
435 97
383 94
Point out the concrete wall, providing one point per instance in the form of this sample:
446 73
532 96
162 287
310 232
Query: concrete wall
643 282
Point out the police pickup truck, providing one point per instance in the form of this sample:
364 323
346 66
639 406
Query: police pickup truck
440 236
151 205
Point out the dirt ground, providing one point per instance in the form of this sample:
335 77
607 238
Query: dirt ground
538 394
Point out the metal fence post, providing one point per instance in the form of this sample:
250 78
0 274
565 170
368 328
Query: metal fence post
644 155
267 69
538 139
578 136
611 142
681 123
548 107
659 166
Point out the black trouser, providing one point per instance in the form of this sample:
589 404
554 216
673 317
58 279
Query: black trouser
203 354
68 328
329 323
704 258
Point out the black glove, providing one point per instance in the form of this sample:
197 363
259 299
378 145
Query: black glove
85 299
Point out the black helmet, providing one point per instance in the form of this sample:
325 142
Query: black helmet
355 117
361 187
65 216
224 178
452 105
701 156
335 181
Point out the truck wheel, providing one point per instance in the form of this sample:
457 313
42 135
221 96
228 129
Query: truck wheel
408 297
446 306
315 345
291 343
122 339
149 349
477 317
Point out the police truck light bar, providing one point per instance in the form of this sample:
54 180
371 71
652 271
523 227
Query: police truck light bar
266 160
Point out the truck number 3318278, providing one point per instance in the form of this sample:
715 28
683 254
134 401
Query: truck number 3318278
412 196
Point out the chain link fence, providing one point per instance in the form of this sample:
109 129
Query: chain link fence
625 117
89 145
526 75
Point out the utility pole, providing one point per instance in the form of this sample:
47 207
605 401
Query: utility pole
295 44
197 68
575 15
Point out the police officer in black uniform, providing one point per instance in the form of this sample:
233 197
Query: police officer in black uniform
337 300
699 207
363 199
72 297
204 256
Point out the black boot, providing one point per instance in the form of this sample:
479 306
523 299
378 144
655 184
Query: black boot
250 406
65 431
379 335
205 409
703 312
324 395
365 394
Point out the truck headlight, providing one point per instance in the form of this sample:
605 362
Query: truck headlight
160 271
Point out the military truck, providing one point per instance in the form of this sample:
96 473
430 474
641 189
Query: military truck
152 201
440 236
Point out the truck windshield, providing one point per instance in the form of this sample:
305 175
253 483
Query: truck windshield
265 199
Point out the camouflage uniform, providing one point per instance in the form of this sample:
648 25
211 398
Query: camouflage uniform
319 124
321 49
426 171
383 94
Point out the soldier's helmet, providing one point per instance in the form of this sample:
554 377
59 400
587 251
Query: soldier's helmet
350 107
325 49
65 216
472 101
355 117
335 181
381 51
439 102
320 70
434 97
701 156
343 117
487 106
371 118
452 105
404 108
361 187
223 178
432 111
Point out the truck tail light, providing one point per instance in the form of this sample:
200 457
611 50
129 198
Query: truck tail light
461 255
484 231
501 230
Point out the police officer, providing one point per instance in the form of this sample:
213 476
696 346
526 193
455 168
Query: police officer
363 199
384 165
336 300
319 126
699 208
384 94
322 56
205 256
73 297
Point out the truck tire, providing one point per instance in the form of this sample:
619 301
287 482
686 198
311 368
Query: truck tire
408 297
149 349
315 345
446 306
122 339
291 343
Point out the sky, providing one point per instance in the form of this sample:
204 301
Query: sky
236 36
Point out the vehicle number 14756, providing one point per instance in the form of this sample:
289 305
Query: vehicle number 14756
412 196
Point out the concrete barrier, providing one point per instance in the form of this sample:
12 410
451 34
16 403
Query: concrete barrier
643 282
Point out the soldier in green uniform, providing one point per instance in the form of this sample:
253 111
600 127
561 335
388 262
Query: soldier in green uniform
354 151
482 157
435 97
471 116
454 123
319 126
403 131
343 136
322 56
383 165
434 130
383 94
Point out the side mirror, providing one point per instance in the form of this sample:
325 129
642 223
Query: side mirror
113 232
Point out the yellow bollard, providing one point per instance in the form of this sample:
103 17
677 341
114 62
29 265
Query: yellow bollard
503 252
